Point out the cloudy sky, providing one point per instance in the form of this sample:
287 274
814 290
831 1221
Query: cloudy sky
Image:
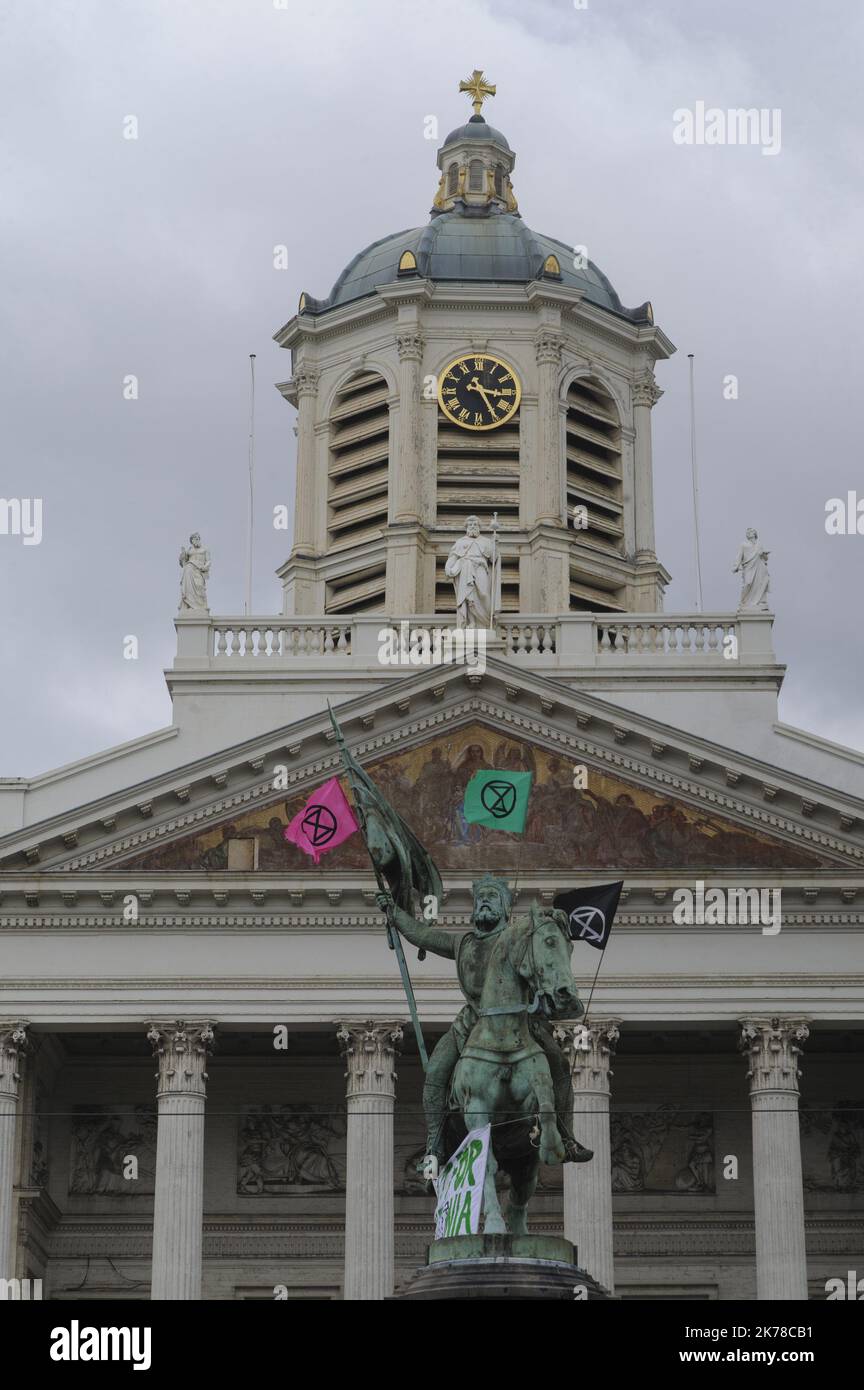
302 124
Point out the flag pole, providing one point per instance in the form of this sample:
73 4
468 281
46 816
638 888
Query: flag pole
394 940
251 498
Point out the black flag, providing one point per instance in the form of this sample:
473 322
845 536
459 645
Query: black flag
591 912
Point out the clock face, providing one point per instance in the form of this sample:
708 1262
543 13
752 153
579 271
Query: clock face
479 392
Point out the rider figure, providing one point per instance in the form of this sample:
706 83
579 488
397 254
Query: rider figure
472 951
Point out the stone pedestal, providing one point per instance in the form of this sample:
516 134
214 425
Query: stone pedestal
502 1267
178 1205
778 1193
369 1049
13 1037
588 1186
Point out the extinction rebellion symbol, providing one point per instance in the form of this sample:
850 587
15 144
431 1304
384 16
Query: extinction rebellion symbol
588 923
319 825
499 798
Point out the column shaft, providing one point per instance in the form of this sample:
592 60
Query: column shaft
178 1211
370 1051
588 1186
778 1191
305 510
13 1037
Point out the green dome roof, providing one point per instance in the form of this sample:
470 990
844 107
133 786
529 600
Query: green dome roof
494 249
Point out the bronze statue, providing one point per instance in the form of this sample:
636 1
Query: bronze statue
498 1063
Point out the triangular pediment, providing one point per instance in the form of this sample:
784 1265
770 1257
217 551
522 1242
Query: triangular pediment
655 796
610 823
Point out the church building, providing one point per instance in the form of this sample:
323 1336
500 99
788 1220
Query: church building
209 1082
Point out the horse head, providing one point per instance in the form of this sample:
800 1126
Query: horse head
545 963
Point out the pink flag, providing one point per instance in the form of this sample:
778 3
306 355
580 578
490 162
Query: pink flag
325 821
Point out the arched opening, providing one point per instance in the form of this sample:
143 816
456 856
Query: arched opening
595 507
357 486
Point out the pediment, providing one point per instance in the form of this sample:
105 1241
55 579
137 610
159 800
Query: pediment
656 796
612 823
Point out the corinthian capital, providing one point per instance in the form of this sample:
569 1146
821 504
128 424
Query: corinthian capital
370 1050
547 347
181 1050
13 1041
646 391
773 1048
590 1048
409 346
306 381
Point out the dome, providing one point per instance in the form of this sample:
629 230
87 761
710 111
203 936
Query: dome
496 249
477 129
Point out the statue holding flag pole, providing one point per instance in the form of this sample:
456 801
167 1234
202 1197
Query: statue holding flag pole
499 1064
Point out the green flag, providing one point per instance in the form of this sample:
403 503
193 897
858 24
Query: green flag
498 799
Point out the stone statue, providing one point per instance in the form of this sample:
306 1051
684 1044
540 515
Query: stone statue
499 1058
751 564
195 564
470 566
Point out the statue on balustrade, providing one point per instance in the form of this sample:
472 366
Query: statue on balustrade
752 565
195 566
474 567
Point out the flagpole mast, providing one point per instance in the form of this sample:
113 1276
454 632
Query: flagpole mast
394 940
493 527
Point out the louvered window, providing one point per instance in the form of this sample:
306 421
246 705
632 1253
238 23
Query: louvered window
594 481
359 452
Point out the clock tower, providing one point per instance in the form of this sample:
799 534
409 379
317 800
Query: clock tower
466 367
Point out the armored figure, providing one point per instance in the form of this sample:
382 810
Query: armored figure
472 951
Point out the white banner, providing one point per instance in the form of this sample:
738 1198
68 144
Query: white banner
459 1188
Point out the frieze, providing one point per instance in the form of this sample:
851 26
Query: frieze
832 1147
101 1144
662 1151
287 1149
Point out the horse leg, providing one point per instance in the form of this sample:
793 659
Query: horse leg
523 1177
551 1143
479 1112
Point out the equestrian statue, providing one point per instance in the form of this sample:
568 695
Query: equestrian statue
498 1064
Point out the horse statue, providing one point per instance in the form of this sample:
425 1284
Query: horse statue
502 1077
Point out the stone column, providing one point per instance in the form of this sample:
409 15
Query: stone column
406 474
588 1186
548 481
13 1039
178 1208
370 1051
778 1191
305 510
646 394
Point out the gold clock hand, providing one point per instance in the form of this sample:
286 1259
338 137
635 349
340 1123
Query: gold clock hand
474 385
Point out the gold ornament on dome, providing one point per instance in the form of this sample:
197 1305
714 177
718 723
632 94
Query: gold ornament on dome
477 89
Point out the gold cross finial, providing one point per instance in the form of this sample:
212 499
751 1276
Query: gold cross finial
477 89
